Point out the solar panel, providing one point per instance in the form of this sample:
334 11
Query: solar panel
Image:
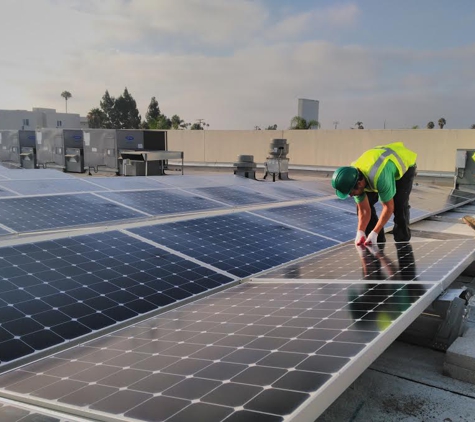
15 412
35 174
59 290
49 212
6 192
421 261
161 202
241 244
287 191
48 186
187 181
326 221
125 183
259 352
234 195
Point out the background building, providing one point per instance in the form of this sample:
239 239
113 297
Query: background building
308 110
38 118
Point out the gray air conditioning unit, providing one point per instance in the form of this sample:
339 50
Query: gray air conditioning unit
277 162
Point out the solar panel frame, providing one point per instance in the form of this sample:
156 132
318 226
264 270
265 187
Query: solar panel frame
180 356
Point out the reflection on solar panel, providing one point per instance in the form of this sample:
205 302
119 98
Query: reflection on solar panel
241 244
234 195
34 174
55 291
16 413
160 202
125 183
287 192
46 212
45 187
250 353
416 261
318 218
4 192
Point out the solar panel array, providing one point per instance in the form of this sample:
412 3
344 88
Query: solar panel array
268 349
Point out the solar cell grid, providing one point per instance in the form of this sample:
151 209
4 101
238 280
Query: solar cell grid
125 183
288 191
318 218
188 364
161 202
422 261
48 212
234 195
241 244
55 291
48 186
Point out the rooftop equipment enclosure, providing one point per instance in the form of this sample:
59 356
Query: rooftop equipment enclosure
51 144
100 150
74 150
9 147
27 149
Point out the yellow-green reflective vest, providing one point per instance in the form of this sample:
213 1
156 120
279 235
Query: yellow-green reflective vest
372 162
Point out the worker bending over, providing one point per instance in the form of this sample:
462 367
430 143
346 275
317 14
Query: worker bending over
386 172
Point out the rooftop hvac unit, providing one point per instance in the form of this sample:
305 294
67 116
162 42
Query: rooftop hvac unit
277 162
51 145
464 178
9 147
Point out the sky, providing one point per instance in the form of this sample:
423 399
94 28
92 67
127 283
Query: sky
239 64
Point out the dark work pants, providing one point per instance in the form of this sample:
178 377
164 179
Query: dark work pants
401 230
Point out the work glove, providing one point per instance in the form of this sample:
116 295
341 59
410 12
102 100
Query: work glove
360 238
372 239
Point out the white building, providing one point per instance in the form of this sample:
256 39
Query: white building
38 118
308 110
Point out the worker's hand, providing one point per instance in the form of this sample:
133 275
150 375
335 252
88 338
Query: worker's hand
360 238
361 250
374 249
372 239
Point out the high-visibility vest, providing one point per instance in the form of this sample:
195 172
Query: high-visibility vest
372 162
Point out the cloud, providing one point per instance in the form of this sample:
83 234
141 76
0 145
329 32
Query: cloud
244 80
315 21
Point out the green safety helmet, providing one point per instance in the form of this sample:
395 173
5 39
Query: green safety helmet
344 180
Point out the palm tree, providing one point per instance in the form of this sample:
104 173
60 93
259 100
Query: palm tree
441 122
66 95
96 118
430 125
359 125
300 123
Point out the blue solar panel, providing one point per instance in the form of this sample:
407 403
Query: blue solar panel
49 212
161 202
48 186
318 218
235 195
125 183
58 290
241 244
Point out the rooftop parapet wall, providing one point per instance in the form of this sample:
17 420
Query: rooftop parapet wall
436 148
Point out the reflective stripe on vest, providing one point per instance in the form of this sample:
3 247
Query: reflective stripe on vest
374 169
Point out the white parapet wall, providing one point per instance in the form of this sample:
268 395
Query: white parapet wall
436 148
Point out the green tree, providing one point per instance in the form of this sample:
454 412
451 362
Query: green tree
415 127
430 125
178 123
96 118
199 125
162 123
359 125
473 126
107 106
271 127
125 109
66 95
441 122
299 123
153 111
